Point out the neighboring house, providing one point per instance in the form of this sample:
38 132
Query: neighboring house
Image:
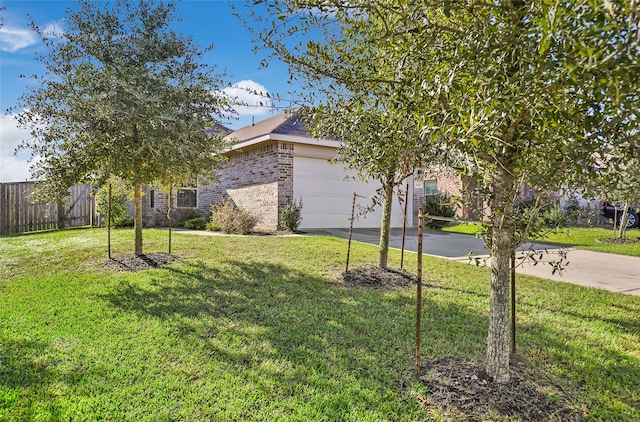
450 182
273 162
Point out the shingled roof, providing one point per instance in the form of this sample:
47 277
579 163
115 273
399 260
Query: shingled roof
218 129
289 123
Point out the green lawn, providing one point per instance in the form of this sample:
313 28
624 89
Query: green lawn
256 328
576 237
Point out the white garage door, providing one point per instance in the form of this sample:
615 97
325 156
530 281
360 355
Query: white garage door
327 196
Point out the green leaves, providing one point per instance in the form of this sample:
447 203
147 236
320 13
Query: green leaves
524 93
123 95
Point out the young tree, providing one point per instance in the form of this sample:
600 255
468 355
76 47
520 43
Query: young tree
124 95
526 92
374 144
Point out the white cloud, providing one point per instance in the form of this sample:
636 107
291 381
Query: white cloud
14 39
250 98
53 29
12 168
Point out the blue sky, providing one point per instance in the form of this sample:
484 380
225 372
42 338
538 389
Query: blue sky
208 22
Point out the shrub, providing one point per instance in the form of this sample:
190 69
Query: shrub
213 227
125 221
554 217
119 207
181 215
291 215
538 222
438 204
231 219
197 223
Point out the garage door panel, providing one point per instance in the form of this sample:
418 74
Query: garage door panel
336 203
327 195
339 220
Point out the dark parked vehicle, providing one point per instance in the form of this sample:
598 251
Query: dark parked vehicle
615 211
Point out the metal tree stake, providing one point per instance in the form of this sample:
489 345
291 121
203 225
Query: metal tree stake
419 295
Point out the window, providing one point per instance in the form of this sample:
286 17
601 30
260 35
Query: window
187 197
152 198
430 187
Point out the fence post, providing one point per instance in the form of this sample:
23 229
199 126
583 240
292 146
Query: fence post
92 207
60 212
3 205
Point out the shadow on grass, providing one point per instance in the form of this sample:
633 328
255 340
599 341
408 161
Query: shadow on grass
573 337
305 335
285 336
21 364
607 379
325 332
284 330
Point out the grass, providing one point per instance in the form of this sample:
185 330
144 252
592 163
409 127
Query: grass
576 237
256 328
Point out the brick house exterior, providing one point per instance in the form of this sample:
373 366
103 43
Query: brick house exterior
258 180
261 176
263 173
258 177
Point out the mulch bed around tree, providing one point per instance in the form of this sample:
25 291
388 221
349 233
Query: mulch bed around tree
461 390
376 277
131 262
618 241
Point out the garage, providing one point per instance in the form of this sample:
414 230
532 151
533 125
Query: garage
327 193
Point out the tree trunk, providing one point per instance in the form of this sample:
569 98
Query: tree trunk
385 225
623 221
498 347
138 217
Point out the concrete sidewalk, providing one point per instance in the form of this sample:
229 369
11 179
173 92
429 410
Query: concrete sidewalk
616 273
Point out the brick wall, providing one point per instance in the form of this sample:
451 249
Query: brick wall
260 200
158 214
256 179
285 176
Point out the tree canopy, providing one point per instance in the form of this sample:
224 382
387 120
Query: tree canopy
525 92
123 95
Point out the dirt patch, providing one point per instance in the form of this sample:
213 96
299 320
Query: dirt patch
618 241
131 262
376 277
461 390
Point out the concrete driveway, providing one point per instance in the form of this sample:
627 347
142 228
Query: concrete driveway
616 273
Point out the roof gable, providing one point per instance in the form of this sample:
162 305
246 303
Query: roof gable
218 129
289 123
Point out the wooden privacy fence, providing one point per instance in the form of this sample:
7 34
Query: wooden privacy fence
19 214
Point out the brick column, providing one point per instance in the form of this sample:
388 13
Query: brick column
285 174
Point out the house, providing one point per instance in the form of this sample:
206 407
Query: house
275 161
